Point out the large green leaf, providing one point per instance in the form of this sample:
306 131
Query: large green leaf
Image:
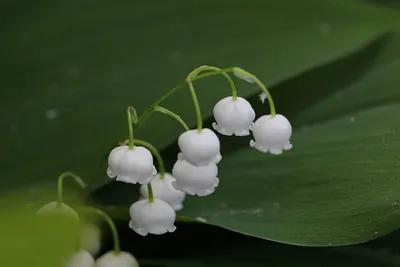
204 245
339 184
70 69
263 255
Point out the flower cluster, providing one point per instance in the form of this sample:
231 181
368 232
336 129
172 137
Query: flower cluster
195 171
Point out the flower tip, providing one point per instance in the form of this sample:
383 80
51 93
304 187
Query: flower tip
289 146
237 69
242 74
81 183
252 143
172 229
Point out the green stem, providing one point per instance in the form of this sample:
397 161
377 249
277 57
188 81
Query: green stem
60 180
113 228
261 85
155 152
150 193
172 115
196 104
130 126
195 72
147 113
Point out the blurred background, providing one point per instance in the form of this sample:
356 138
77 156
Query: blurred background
70 68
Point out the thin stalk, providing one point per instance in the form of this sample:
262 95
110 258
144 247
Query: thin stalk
150 193
197 71
130 127
172 115
147 113
60 180
262 86
196 105
113 228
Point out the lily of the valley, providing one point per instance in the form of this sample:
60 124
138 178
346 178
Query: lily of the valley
195 180
152 217
272 134
199 148
233 116
131 165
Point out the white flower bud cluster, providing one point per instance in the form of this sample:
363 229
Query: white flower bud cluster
196 169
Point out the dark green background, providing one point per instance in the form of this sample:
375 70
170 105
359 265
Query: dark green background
70 68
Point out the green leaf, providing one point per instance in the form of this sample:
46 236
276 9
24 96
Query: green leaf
205 245
69 70
258 255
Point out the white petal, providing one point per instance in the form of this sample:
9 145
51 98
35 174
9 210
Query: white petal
233 116
131 166
116 155
199 148
152 217
195 180
80 259
123 259
163 189
111 173
272 134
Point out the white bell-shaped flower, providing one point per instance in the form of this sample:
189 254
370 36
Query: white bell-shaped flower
53 209
233 116
272 134
162 188
81 258
155 217
122 259
91 238
131 166
199 148
195 180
